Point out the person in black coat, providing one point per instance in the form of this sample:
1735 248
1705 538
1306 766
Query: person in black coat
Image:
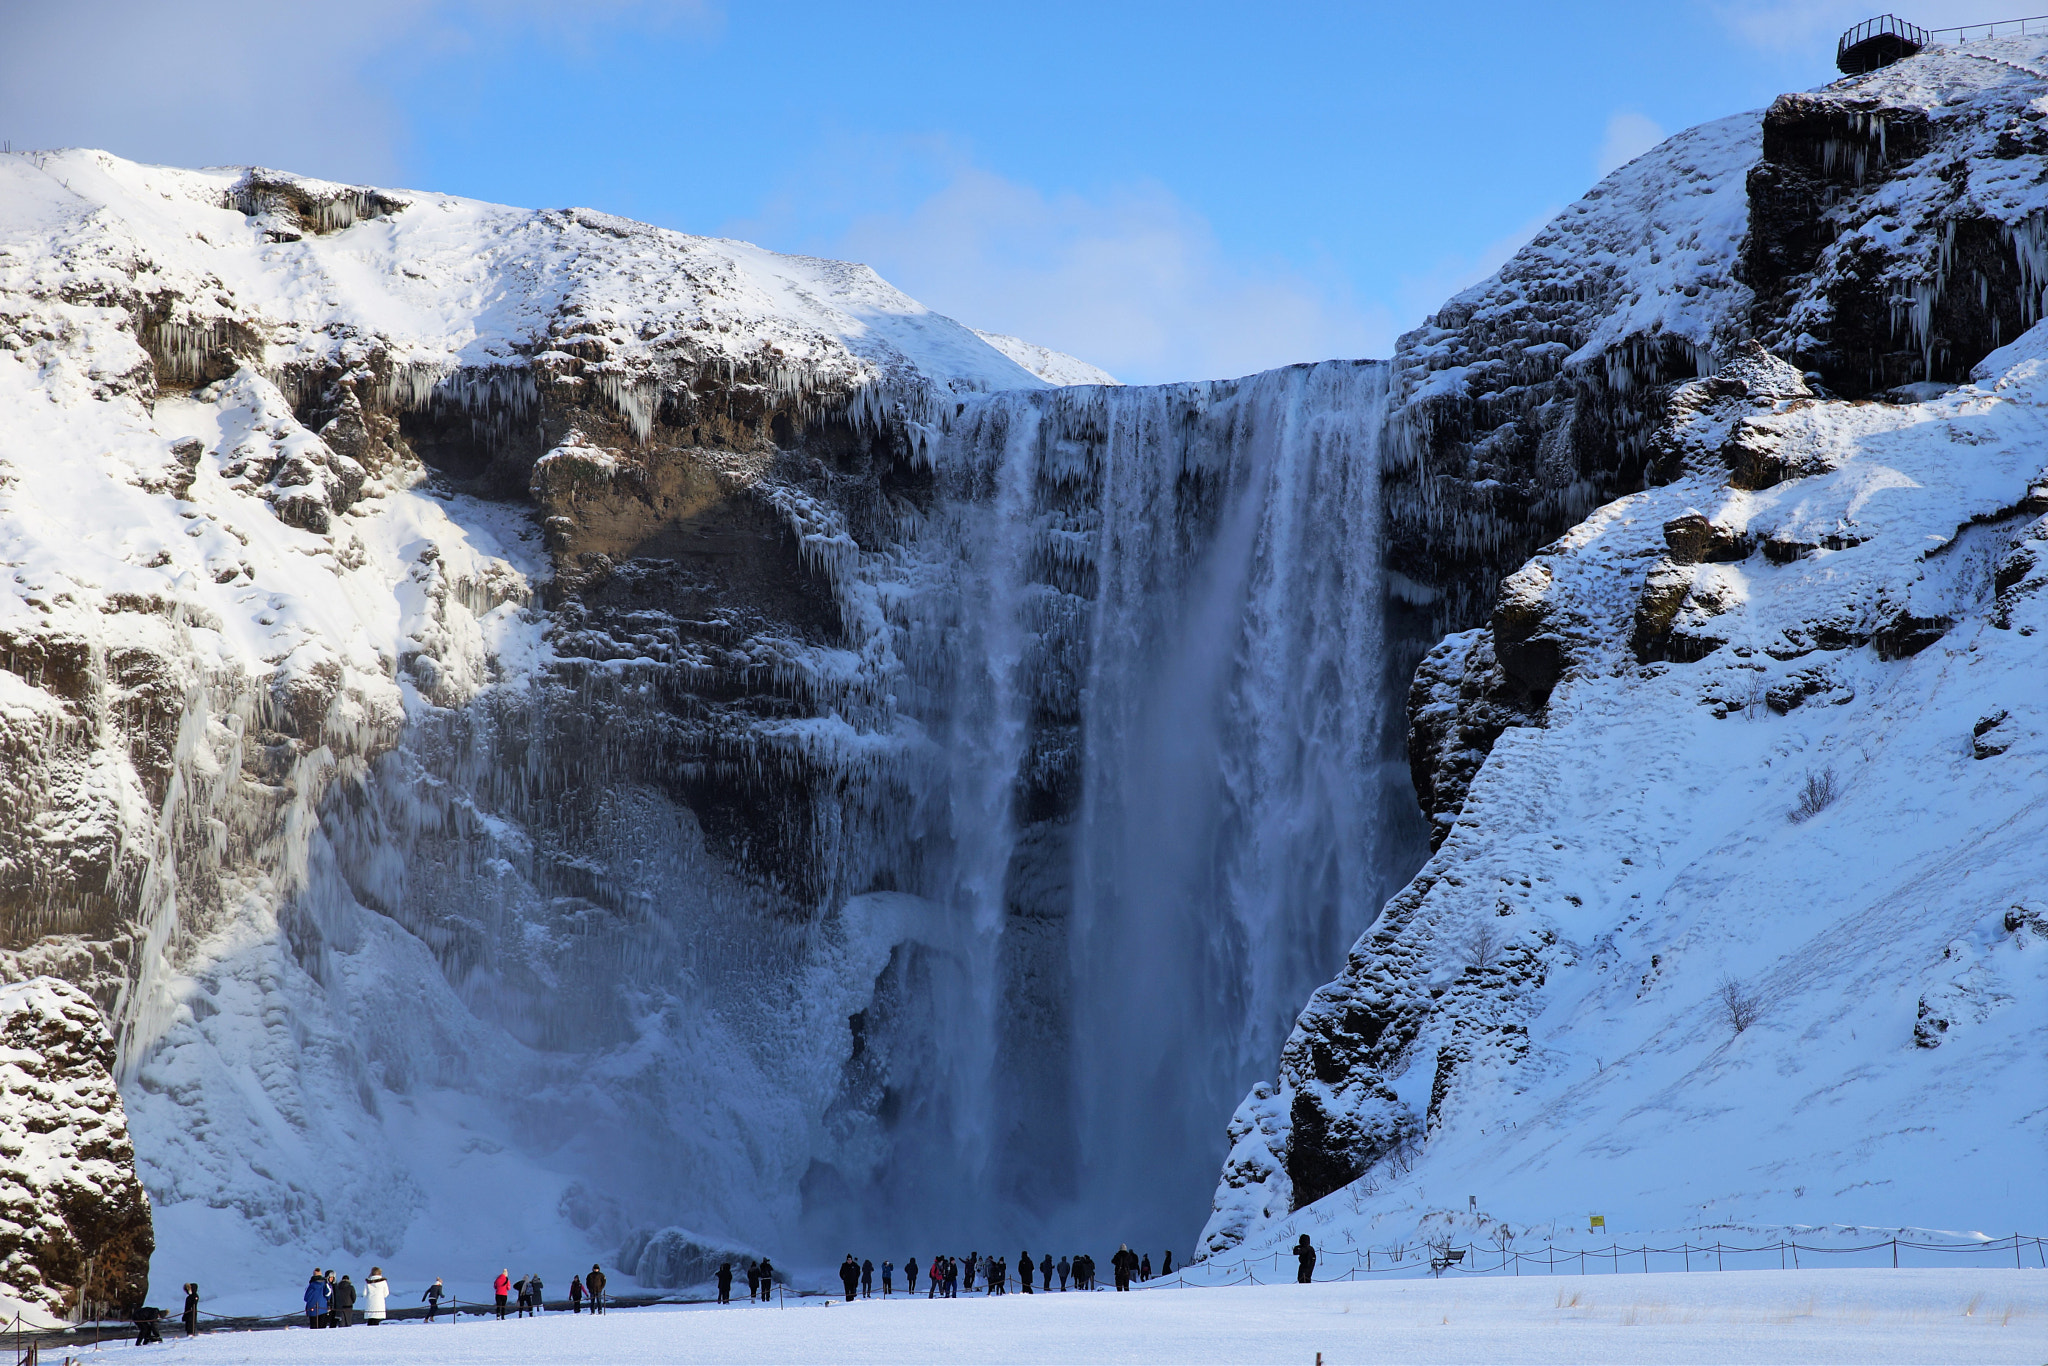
725 1282
867 1278
767 1280
1305 1253
1024 1270
849 1277
191 1309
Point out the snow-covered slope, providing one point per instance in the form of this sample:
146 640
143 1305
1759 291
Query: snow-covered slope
332 271
1054 367
1793 767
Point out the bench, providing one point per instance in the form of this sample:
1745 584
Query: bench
1443 1259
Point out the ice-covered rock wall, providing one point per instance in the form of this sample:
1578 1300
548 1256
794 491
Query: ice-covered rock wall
74 1220
444 711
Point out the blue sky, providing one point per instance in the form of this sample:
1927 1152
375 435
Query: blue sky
1170 190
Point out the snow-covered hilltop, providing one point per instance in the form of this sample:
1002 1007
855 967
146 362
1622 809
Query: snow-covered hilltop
1740 908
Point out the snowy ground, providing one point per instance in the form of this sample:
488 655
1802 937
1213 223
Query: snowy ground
1738 1316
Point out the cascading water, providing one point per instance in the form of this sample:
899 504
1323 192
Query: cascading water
1148 640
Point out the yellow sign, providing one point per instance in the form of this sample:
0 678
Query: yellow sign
1594 1221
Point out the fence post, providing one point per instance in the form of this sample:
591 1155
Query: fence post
2015 1252
1895 1254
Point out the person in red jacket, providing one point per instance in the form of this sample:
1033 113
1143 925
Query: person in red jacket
502 1288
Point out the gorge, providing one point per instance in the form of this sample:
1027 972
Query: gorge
522 701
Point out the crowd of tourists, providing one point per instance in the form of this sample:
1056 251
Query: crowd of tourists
944 1276
332 1295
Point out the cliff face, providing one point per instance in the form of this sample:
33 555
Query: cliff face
1878 233
74 1220
435 659
1767 602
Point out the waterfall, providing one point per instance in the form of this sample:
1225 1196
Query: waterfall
1147 640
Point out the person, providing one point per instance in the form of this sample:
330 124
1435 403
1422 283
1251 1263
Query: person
593 1285
525 1300
1167 1268
910 1275
973 1265
433 1296
331 1287
1123 1264
1063 1267
533 1288
344 1301
146 1319
952 1290
932 1274
191 1309
375 1291
888 1278
316 1300
1024 1270
724 1283
575 1294
1145 1267
502 1288
867 1278
1305 1254
1045 1272
767 1280
849 1277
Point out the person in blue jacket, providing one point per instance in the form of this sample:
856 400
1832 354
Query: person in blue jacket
316 1300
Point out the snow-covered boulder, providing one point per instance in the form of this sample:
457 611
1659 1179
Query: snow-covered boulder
74 1220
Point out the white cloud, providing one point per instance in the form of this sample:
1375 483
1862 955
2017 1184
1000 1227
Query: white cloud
1133 280
1628 136
290 85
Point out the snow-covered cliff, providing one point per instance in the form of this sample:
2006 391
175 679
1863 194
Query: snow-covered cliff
1736 912
430 668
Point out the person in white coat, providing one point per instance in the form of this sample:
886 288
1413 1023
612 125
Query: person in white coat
375 1290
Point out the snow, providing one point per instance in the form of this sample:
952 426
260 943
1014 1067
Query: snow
1054 367
1735 1316
446 282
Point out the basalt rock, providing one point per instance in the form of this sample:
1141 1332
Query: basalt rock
74 1219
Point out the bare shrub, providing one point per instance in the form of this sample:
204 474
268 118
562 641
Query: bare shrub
1481 945
1817 795
1739 1005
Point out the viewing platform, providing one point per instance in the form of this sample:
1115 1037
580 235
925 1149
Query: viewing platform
1877 43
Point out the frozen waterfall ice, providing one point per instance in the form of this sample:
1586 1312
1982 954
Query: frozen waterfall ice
1145 645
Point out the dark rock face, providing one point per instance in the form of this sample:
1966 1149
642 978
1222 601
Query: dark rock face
74 1219
1886 244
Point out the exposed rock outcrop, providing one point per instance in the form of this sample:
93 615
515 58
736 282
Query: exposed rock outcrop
74 1219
